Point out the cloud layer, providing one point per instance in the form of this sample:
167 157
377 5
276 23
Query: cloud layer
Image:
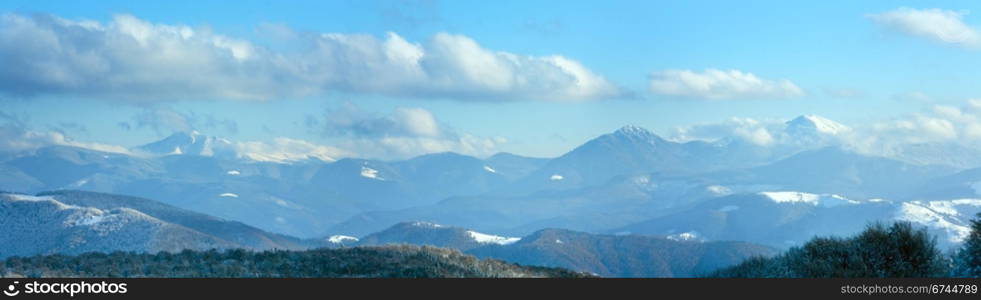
939 124
15 137
132 59
939 25
713 84
748 129
939 134
805 131
404 133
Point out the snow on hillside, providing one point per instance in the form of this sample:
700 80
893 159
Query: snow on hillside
719 190
340 239
685 236
101 221
426 224
916 213
34 225
950 218
367 172
91 220
492 239
20 197
827 200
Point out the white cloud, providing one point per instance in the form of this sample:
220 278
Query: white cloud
404 133
808 131
350 120
132 59
164 120
939 124
748 129
417 121
940 134
716 84
452 66
940 25
15 138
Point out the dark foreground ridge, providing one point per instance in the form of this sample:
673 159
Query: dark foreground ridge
896 251
397 261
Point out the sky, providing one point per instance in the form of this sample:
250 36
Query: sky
395 79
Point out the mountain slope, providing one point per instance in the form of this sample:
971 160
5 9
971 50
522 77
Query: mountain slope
513 166
425 233
628 150
835 170
788 218
42 225
634 150
963 184
605 255
58 167
591 209
231 231
622 256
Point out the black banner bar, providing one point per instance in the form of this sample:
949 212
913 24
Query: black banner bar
267 288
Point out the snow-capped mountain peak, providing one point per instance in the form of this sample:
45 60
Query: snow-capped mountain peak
631 129
815 124
636 133
186 143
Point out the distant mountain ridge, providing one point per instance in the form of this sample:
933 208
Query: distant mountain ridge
605 255
301 198
425 233
789 218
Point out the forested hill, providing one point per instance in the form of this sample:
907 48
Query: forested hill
401 261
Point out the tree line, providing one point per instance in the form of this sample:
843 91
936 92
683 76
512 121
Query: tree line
896 250
398 261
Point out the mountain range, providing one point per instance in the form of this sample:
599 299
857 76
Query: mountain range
629 180
76 222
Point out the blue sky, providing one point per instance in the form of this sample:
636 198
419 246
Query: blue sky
855 62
